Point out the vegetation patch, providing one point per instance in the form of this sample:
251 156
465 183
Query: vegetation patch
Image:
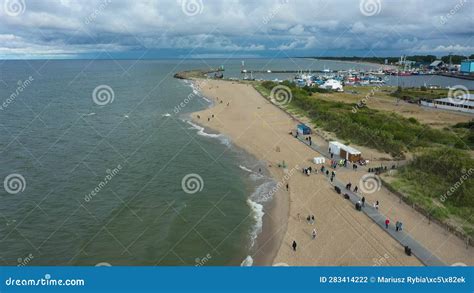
381 130
440 181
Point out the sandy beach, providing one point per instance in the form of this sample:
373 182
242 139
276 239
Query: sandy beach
344 236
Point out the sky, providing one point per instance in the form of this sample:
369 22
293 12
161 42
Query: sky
37 29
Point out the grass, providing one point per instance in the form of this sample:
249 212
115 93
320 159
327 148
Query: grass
415 94
381 130
440 181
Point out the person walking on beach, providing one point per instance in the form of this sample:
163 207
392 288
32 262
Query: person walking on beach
376 205
387 222
398 226
314 234
287 187
356 189
308 219
294 245
363 200
312 220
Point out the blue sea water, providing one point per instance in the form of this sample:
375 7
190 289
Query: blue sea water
98 179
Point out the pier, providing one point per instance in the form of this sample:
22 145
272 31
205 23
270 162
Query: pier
284 71
467 77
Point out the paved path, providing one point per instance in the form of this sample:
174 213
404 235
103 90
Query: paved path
423 254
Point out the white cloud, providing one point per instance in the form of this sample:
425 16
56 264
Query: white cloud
76 27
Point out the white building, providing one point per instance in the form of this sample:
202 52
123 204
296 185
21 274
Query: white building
345 151
464 103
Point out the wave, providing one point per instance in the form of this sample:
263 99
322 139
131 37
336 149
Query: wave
247 262
200 131
257 215
166 115
253 175
263 192
196 91
245 169
89 114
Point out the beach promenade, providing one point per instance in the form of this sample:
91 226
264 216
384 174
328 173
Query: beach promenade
345 236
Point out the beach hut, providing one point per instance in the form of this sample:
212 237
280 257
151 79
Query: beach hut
344 151
319 160
303 129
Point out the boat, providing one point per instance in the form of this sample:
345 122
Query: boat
332 84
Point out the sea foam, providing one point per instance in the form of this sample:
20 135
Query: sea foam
253 175
200 131
247 262
257 215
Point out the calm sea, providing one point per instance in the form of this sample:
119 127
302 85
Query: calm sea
99 166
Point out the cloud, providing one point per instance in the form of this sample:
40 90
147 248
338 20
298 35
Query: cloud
71 28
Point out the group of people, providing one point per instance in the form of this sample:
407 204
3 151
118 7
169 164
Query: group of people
398 225
378 170
309 140
208 118
308 170
310 220
349 186
221 101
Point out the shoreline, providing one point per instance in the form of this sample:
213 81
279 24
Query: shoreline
276 210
